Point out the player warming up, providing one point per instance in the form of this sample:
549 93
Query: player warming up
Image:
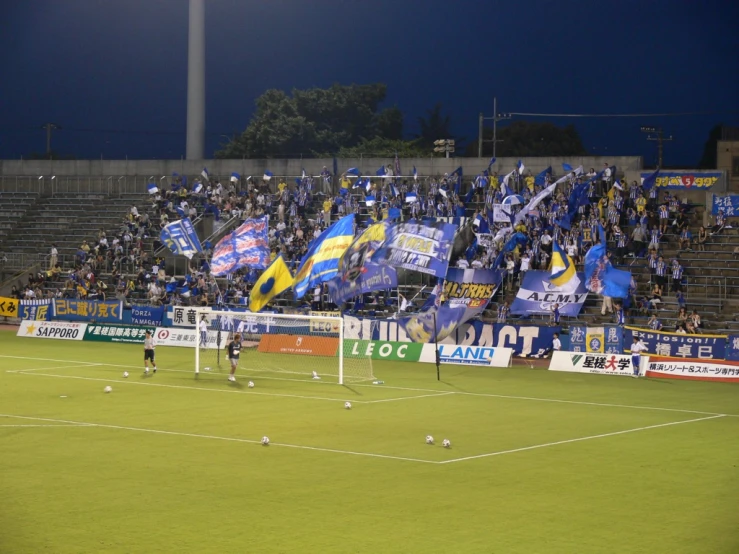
203 328
149 353
234 349
637 347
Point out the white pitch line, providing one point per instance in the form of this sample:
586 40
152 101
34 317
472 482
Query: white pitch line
49 368
405 398
580 439
216 437
51 426
390 387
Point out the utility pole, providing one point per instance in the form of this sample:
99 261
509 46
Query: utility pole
495 117
49 128
659 138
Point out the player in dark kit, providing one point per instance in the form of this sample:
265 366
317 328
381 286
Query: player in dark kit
234 350
149 352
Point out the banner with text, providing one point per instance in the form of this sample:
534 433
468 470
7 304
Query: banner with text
538 296
378 350
729 204
147 315
418 247
39 310
467 293
698 370
524 340
467 355
605 364
52 330
164 336
116 333
732 348
8 307
687 179
100 311
676 345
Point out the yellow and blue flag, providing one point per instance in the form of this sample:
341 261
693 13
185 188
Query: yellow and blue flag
563 268
274 280
321 262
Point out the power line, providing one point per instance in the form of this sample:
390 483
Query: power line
665 114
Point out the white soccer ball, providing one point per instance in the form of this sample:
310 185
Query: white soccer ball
250 384
265 441
429 439
446 443
348 405
206 368
108 389
125 374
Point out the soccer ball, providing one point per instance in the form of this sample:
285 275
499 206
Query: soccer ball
250 384
348 405
125 374
206 368
108 389
265 441
429 439
446 443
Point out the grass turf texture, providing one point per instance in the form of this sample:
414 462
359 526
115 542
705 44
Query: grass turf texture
178 468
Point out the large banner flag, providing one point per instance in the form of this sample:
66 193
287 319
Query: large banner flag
247 246
538 295
181 238
600 276
275 280
358 274
321 262
38 310
422 247
466 294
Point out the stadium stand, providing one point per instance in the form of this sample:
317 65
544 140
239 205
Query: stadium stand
143 268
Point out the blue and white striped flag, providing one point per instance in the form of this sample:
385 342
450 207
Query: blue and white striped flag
205 174
353 171
302 173
180 211
395 190
411 197
268 175
152 188
520 167
415 173
197 188
381 172
370 200
235 177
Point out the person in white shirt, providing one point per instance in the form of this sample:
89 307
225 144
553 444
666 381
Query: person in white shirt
317 297
556 343
203 328
149 346
462 263
54 256
637 347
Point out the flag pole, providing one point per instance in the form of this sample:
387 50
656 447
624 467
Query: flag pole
436 349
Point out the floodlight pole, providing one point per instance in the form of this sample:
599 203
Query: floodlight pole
196 81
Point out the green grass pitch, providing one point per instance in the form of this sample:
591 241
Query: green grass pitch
541 462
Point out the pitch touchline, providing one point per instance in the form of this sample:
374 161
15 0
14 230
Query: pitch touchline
580 439
390 387
216 437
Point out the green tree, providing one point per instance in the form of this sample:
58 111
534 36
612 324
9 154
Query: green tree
315 121
710 154
434 126
379 147
526 138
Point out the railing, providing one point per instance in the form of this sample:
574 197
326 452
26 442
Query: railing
25 271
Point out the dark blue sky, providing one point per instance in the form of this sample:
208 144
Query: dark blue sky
113 73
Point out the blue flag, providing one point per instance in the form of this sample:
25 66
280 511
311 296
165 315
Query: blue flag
381 172
567 167
492 161
541 178
649 181
152 188
600 276
321 262
353 171
247 246
181 238
235 177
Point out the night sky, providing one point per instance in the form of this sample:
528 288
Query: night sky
113 74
